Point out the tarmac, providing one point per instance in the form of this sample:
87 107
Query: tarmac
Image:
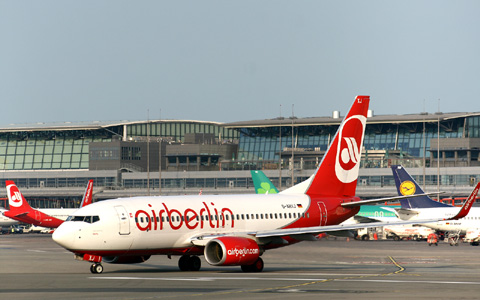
32 266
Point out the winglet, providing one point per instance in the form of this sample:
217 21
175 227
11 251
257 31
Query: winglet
467 205
87 197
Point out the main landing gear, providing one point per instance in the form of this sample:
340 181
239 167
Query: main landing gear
257 266
189 263
96 268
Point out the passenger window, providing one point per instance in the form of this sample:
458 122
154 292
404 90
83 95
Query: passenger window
248 217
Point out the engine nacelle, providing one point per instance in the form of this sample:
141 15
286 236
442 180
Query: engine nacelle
231 251
125 259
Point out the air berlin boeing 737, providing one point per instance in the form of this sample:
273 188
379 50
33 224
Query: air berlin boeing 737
228 229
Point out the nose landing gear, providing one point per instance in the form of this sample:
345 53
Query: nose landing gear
96 268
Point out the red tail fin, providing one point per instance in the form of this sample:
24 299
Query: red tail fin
338 172
87 197
468 204
16 201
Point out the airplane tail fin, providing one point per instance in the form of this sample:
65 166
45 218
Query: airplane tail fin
338 171
262 184
87 197
406 185
16 201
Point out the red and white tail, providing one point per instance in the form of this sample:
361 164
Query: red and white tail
16 201
88 196
338 172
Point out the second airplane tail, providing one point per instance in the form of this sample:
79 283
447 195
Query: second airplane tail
406 186
16 201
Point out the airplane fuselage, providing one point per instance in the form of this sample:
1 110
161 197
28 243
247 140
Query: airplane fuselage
166 225
462 225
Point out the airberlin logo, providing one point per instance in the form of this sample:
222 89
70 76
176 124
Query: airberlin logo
350 141
471 199
242 252
206 216
14 196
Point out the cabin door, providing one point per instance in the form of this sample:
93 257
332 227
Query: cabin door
124 222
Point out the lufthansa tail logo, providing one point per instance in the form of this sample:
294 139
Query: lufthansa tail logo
407 188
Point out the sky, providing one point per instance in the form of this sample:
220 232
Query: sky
227 61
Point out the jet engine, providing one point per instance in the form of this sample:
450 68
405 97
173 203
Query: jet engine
125 259
231 251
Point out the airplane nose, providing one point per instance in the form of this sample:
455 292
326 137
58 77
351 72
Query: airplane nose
64 236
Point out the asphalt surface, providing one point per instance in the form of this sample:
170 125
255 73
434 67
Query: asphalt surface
32 266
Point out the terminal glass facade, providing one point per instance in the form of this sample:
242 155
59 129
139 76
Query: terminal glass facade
177 130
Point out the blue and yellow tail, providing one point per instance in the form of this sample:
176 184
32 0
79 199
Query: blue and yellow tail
406 185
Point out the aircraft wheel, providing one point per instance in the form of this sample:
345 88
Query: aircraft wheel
257 266
246 268
183 262
194 263
96 268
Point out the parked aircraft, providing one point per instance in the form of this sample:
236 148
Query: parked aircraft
5 221
229 230
423 207
21 211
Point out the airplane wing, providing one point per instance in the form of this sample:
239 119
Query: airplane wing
304 232
383 200
321 229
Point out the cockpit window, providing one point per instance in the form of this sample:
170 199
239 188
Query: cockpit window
87 219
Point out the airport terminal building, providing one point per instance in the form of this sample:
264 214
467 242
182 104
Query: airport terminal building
54 161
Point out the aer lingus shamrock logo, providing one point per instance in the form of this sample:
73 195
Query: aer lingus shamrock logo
266 189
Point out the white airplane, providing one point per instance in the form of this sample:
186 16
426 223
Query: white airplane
21 211
423 207
229 230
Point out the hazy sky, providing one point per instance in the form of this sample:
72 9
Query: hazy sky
234 60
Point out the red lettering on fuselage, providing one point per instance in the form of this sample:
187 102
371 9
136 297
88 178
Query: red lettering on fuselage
146 221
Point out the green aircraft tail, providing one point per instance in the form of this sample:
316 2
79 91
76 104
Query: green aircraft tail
263 185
